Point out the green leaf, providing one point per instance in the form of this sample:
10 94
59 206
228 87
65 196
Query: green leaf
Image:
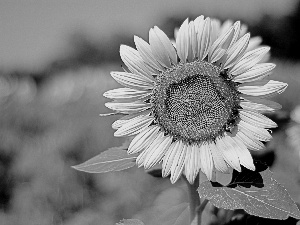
255 192
177 215
114 159
130 222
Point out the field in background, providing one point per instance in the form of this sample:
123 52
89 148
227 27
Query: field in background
45 131
55 59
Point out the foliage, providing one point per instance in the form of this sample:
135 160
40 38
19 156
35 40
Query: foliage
114 159
257 192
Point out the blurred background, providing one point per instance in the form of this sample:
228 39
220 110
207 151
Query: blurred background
55 59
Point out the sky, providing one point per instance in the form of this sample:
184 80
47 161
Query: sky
35 32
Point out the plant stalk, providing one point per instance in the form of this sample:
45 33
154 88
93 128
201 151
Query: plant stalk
194 200
196 207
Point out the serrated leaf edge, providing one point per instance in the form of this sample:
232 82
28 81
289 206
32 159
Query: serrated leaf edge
289 213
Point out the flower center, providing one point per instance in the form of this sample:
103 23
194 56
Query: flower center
195 102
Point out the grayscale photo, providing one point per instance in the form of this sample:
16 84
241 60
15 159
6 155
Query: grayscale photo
138 112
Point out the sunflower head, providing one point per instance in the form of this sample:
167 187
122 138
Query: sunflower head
196 104
212 102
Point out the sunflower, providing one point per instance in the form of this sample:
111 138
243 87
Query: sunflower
195 104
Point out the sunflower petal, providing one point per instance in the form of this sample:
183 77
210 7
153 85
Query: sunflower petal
220 46
178 163
260 89
218 159
193 163
126 93
197 22
257 132
257 119
203 37
158 49
254 43
146 54
158 150
236 34
188 169
182 41
169 157
125 119
257 72
224 144
244 29
206 160
250 141
225 26
134 62
236 51
142 139
134 126
128 107
249 60
244 155
133 81
258 104
162 48
140 160
215 30
192 52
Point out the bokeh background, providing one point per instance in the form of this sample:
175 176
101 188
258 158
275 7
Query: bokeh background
55 59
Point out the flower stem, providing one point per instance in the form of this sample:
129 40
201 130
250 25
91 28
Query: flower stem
200 209
196 207
194 199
